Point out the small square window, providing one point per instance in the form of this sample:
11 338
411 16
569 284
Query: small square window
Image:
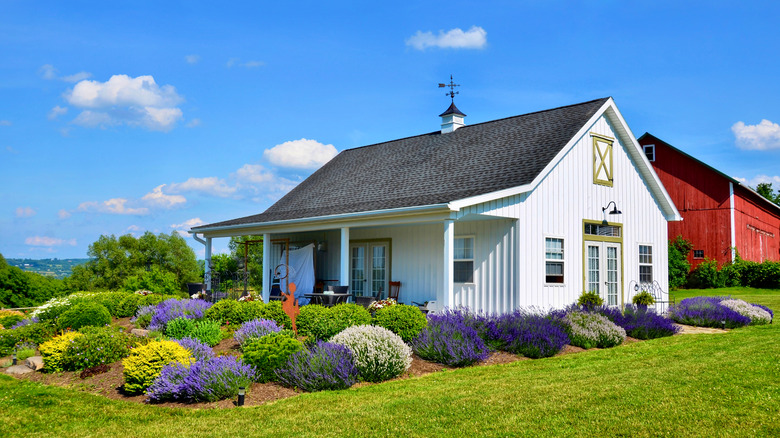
649 152
553 256
698 253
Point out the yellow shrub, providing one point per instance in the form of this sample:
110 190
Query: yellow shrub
5 312
52 351
145 363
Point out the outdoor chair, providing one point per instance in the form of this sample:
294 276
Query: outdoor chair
395 289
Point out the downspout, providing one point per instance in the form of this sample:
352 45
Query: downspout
207 271
733 225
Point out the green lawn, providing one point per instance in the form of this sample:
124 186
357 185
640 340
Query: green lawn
691 385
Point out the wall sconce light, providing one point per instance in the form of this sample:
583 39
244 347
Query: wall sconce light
322 246
241 394
614 211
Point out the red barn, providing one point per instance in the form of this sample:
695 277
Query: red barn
719 213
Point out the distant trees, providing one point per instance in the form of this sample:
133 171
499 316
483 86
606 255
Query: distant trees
766 190
162 263
678 261
26 289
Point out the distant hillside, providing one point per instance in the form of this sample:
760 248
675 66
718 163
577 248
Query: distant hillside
57 268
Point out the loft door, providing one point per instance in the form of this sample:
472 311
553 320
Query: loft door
369 274
603 270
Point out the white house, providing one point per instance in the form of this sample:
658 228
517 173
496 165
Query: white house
527 210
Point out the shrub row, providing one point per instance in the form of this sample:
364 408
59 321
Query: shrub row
719 312
86 348
764 275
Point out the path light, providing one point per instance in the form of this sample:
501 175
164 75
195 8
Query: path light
724 324
241 393
14 358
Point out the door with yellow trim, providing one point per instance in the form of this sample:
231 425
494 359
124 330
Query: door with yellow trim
603 270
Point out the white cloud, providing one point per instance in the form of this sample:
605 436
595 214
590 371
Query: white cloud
48 241
186 225
48 72
5 123
253 64
125 100
474 38
80 76
57 111
159 199
764 136
210 185
112 206
11 150
193 123
303 153
236 62
25 212
63 214
254 173
758 179
192 59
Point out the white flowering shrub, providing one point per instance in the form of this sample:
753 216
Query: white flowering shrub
56 306
379 354
757 315
588 330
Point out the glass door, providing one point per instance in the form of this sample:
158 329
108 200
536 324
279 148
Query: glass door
357 276
603 270
369 269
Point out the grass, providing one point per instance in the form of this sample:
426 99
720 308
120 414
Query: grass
689 385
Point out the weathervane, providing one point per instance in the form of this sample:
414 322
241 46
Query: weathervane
452 91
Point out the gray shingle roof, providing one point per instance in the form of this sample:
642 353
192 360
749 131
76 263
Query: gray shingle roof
432 168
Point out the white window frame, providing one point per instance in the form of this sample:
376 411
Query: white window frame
455 259
562 260
651 147
645 263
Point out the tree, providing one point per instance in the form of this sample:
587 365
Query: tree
26 289
679 267
115 260
766 190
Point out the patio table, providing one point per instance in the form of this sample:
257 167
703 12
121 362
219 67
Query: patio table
328 300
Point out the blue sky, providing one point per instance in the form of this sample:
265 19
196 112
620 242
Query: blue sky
122 117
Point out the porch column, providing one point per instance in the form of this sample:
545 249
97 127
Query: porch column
448 284
344 277
207 276
265 266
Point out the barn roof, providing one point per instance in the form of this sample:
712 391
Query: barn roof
432 168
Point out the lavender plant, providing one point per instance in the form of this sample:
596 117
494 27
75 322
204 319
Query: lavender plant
198 349
588 330
450 340
530 334
379 354
707 312
757 315
211 379
25 322
169 310
143 317
255 329
639 321
326 366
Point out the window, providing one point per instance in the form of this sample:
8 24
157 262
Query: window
553 257
645 264
698 253
602 160
649 152
464 260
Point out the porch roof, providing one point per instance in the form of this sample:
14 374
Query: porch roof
432 169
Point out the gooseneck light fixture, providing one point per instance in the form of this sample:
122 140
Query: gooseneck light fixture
614 211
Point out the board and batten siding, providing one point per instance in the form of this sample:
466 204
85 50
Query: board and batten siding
557 207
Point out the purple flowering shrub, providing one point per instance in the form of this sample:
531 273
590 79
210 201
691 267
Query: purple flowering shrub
588 330
450 339
198 349
255 329
325 366
169 310
143 317
25 322
707 312
639 322
211 379
530 334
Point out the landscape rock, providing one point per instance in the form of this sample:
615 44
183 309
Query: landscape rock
140 332
18 369
35 363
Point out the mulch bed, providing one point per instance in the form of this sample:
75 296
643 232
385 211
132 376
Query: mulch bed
109 384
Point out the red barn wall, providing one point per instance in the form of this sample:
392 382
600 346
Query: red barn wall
701 194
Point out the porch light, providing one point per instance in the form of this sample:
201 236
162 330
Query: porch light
614 211
241 393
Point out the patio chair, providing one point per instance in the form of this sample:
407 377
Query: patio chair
338 290
395 289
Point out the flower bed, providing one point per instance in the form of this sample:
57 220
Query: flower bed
707 312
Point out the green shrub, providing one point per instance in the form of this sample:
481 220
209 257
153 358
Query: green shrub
705 275
270 352
36 333
274 311
84 314
308 317
52 309
53 351
9 321
25 352
590 300
128 305
405 321
338 318
179 328
110 300
679 267
97 346
207 331
145 363
643 298
234 312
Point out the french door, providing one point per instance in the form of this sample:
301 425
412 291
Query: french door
603 270
368 267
